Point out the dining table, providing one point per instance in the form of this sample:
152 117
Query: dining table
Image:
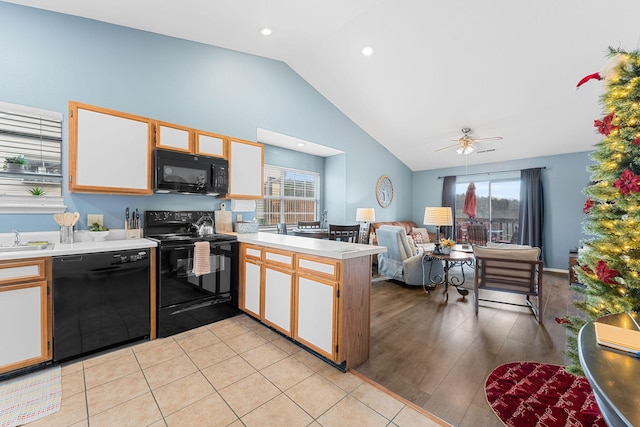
314 233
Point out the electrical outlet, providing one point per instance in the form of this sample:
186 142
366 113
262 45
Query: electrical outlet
238 218
93 218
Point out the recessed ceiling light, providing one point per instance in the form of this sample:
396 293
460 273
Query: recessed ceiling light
300 144
368 50
265 31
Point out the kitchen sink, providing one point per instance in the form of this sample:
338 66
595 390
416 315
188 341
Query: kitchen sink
26 247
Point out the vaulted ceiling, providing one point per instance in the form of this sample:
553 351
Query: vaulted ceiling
502 68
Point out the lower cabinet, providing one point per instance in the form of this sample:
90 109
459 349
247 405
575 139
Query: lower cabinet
316 315
25 313
319 302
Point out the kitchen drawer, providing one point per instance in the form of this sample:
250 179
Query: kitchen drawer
320 267
283 259
251 252
22 271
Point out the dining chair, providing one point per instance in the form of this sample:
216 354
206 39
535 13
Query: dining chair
308 224
345 233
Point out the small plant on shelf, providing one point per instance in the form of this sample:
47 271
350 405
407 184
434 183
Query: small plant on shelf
36 191
15 163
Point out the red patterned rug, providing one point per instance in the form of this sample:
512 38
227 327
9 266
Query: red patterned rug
536 394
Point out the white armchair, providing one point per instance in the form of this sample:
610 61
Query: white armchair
399 262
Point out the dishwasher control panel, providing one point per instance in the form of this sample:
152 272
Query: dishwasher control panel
129 257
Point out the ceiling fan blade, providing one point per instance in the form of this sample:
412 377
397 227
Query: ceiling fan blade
448 146
491 138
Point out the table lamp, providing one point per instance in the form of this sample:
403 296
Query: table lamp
364 216
438 216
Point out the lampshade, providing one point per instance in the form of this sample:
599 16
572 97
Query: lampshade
365 214
438 216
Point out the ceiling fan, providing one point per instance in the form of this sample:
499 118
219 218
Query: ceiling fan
466 142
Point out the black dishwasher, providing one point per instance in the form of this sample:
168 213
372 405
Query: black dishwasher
100 300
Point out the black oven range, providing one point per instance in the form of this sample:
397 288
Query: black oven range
186 300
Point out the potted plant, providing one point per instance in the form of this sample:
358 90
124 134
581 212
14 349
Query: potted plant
446 245
16 163
36 191
98 232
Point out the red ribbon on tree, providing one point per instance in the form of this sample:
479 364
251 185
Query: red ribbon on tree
636 141
605 273
605 126
627 183
588 205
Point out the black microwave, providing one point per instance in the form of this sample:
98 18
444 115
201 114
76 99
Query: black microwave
190 174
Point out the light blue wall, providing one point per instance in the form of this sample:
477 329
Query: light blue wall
564 179
49 59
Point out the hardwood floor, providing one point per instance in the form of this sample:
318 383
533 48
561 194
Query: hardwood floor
438 354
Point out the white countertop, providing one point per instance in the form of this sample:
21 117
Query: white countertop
82 244
307 245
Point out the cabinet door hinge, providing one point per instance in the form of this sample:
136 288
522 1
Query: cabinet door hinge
48 345
70 113
70 179
337 292
48 290
336 348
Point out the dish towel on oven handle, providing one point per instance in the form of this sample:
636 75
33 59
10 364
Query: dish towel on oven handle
201 259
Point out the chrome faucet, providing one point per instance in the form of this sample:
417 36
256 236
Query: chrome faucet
16 238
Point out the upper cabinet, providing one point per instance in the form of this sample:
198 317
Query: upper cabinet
210 144
173 137
179 138
246 161
109 151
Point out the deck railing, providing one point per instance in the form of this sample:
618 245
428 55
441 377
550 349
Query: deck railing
497 230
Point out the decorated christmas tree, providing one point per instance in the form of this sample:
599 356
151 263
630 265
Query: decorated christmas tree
609 262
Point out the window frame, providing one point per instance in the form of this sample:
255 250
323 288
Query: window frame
48 132
268 170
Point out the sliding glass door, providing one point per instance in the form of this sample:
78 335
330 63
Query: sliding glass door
496 210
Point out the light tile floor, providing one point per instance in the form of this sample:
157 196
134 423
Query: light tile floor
230 373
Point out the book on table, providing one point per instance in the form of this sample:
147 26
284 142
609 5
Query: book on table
618 337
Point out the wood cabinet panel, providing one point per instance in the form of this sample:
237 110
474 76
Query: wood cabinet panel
246 160
316 314
109 151
173 137
25 313
210 144
278 297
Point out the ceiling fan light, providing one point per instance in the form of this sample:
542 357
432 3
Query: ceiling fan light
466 150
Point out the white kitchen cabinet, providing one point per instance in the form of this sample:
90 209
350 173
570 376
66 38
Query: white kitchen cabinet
321 303
25 313
173 137
251 280
109 151
246 160
316 314
210 144
317 291
278 289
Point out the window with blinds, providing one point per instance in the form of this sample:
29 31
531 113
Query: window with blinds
30 157
290 195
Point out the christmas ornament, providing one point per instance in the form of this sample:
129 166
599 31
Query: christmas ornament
588 205
627 183
605 126
605 273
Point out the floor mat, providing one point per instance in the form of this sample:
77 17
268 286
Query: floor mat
30 397
536 394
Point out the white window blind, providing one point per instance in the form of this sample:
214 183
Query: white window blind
30 157
290 195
